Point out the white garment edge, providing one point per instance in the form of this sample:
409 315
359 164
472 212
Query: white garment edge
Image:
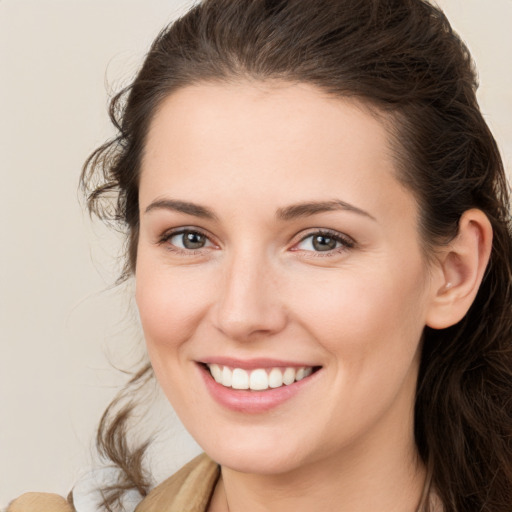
87 496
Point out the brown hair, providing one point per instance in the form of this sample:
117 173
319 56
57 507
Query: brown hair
402 58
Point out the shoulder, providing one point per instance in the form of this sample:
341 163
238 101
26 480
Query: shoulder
189 489
40 502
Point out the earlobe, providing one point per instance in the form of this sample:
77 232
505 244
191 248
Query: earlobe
462 267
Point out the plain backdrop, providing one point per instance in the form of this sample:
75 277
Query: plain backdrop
62 324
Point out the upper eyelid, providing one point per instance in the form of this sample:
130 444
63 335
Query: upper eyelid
329 232
299 237
168 233
164 240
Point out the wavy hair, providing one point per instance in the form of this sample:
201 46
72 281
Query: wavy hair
402 58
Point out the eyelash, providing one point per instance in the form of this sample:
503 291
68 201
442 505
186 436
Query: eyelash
164 239
346 242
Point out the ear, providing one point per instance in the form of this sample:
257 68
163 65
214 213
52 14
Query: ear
460 270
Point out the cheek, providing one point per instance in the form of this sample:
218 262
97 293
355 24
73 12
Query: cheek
368 321
171 303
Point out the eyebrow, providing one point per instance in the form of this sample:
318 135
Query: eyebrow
183 207
291 212
312 208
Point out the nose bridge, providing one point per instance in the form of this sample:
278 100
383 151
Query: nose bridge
249 301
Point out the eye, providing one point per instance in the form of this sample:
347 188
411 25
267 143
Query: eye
188 240
324 241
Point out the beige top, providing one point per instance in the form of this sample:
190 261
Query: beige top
188 490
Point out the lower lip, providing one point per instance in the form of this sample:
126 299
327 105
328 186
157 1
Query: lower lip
252 402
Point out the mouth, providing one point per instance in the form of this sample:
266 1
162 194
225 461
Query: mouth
258 379
258 385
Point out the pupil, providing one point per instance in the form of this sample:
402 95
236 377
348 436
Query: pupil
193 240
324 243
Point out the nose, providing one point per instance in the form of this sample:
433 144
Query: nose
249 304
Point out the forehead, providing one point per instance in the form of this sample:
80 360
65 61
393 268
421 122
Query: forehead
231 114
276 139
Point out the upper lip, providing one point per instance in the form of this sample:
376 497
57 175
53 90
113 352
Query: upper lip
251 364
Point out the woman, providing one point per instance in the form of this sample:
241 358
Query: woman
319 230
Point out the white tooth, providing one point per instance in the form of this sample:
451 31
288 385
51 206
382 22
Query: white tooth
258 380
300 374
240 379
275 378
227 377
289 376
308 372
216 372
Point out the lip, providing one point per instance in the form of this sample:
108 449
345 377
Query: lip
248 401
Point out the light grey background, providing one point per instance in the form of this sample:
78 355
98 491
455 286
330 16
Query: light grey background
61 325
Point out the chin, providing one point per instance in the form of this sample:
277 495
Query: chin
256 456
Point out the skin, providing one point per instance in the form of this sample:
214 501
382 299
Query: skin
258 288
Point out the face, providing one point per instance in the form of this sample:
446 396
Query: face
279 252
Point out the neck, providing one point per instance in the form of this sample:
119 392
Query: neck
374 476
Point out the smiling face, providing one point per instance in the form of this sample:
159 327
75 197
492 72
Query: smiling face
273 235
